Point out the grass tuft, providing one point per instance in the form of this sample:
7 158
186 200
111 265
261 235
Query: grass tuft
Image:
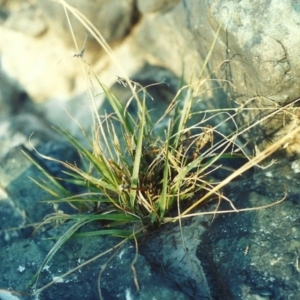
139 176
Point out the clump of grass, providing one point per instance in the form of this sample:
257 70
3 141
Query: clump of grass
140 176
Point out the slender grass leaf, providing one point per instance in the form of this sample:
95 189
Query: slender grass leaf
163 198
118 108
46 188
208 56
61 241
182 114
101 164
60 190
113 232
138 155
117 216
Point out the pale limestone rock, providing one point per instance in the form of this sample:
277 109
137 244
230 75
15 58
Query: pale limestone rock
38 51
43 66
256 51
112 17
27 19
155 5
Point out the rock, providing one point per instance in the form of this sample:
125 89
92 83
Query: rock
52 69
173 252
28 20
158 85
19 129
34 57
179 40
260 61
265 63
19 268
155 5
161 86
113 18
266 53
12 218
55 75
20 196
12 95
7 6
254 254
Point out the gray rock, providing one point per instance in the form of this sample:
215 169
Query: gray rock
20 196
254 254
173 252
265 45
260 60
12 95
31 53
28 20
179 40
264 60
12 218
25 129
20 262
113 18
155 5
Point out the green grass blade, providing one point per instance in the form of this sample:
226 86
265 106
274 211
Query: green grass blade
207 58
47 189
184 171
100 163
138 155
163 199
122 233
118 108
112 216
64 238
59 191
182 113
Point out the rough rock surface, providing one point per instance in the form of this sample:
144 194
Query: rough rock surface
261 61
115 18
20 266
10 95
154 5
255 254
172 251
